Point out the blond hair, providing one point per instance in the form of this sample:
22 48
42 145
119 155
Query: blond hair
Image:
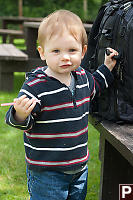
58 22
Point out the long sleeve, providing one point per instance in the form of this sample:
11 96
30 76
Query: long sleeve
29 122
99 80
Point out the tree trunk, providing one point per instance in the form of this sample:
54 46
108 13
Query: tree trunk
20 8
85 8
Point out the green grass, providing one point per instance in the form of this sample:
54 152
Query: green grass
93 164
12 162
19 43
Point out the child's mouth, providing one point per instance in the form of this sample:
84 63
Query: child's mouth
65 66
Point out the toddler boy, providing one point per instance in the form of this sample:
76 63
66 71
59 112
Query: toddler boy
53 106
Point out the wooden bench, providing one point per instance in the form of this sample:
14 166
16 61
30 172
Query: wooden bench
11 60
116 156
11 34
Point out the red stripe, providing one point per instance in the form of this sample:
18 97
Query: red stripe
57 105
84 101
98 87
57 134
65 106
94 86
85 159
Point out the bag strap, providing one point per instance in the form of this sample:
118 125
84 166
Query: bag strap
92 39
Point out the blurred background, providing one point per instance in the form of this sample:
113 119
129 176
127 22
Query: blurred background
86 9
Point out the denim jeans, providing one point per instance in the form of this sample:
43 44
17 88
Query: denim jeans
53 185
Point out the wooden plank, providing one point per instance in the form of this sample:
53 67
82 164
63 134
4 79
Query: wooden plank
18 19
10 52
37 24
32 24
116 155
87 27
11 32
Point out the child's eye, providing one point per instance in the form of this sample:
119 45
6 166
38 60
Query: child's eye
72 50
55 51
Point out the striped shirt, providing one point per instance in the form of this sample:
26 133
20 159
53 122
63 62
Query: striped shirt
56 132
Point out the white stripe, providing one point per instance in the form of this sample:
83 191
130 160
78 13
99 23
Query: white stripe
18 125
102 75
83 101
65 135
81 72
94 93
35 81
87 81
52 92
55 149
57 163
62 120
41 76
65 105
57 107
38 68
31 95
81 86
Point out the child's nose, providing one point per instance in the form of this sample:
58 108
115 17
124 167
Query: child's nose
65 56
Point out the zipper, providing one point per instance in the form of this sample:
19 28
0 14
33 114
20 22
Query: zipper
73 97
74 101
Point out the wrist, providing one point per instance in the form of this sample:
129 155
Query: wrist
19 118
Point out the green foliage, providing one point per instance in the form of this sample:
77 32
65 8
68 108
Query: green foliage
104 1
41 8
9 7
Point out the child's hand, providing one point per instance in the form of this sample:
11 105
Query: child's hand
109 61
23 107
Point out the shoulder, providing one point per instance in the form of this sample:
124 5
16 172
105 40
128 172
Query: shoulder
35 77
79 71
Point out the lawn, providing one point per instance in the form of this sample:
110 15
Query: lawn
13 184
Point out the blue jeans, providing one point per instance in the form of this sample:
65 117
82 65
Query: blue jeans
53 185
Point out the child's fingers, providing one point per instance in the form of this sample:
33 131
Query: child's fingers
31 107
112 52
29 102
20 99
25 104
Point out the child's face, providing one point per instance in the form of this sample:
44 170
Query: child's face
63 53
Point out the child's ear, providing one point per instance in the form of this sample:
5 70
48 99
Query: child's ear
84 50
41 52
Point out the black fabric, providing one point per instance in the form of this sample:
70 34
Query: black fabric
113 27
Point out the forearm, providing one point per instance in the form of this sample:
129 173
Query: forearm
103 76
99 80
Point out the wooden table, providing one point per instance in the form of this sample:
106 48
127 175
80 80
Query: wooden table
116 155
31 32
7 20
11 34
11 60
14 60
10 52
